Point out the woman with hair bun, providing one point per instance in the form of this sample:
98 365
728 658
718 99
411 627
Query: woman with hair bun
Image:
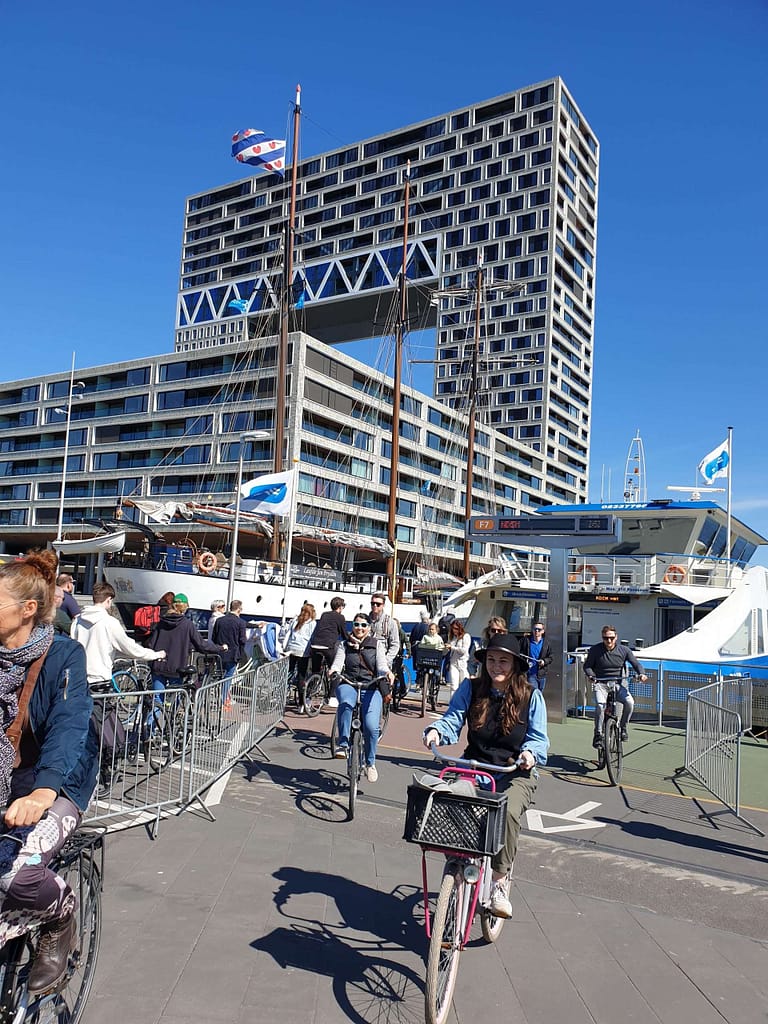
48 762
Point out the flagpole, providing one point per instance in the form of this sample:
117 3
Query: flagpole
285 308
291 520
728 507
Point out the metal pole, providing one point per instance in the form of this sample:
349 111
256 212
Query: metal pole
285 308
66 451
236 530
398 370
291 518
728 509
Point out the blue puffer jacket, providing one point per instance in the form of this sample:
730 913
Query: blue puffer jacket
60 716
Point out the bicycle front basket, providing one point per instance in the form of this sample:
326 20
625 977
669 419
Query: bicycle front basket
472 824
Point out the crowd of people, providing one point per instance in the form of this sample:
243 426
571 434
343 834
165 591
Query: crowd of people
54 655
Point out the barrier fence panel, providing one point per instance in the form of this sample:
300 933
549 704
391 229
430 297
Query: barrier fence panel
160 756
221 736
713 736
139 772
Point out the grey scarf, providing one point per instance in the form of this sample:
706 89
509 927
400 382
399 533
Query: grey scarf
13 669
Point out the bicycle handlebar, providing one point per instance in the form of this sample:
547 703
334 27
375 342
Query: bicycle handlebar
461 762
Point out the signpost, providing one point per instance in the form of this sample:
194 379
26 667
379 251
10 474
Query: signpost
557 534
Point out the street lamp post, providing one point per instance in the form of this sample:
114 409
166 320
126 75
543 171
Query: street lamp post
251 435
68 409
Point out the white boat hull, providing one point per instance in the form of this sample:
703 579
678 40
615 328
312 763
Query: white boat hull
102 544
262 601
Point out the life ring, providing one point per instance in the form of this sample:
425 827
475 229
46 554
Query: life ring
675 574
587 575
206 562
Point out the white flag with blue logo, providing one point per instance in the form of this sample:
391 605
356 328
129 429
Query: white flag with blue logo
716 463
270 494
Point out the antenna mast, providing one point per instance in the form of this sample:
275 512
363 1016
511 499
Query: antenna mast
635 488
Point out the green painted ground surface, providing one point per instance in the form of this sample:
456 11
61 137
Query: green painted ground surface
651 757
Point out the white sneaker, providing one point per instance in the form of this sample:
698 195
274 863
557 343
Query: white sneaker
371 774
341 753
333 702
500 905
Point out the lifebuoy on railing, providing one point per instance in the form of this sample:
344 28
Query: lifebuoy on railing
675 574
586 574
206 562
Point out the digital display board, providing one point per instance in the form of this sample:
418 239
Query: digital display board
537 526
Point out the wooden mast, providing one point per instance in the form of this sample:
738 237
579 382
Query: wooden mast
398 373
471 419
285 308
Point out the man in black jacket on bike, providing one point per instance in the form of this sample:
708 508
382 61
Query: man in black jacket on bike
607 661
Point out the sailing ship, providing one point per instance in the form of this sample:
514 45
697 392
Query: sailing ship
268 583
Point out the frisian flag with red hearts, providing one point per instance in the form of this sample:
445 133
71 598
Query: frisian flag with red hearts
251 146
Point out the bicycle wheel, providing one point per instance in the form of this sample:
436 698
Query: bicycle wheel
354 767
490 924
181 730
614 754
334 735
128 695
384 720
314 695
434 690
444 949
425 677
159 744
15 961
69 1003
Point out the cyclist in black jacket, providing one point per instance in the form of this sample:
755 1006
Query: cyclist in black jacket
607 661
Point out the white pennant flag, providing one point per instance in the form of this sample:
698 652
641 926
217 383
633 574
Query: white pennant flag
716 463
270 494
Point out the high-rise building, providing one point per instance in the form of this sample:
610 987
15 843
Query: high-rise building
508 186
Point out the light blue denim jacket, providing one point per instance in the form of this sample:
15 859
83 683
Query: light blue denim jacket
452 722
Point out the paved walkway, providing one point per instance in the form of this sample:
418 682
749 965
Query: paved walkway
281 909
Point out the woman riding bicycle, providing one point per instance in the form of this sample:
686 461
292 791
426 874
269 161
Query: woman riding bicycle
361 659
48 762
506 723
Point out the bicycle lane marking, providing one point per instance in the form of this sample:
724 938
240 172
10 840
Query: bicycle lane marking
571 821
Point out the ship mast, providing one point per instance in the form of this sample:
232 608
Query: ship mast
285 308
471 423
635 488
398 373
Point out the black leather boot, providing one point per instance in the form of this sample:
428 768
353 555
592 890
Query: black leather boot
56 941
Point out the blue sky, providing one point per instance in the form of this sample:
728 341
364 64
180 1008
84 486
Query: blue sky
117 114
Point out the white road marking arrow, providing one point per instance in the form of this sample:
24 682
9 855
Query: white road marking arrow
572 820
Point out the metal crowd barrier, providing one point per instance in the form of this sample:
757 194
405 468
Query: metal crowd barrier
204 741
714 726
665 694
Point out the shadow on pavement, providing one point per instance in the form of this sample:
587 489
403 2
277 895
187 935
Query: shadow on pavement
367 986
651 830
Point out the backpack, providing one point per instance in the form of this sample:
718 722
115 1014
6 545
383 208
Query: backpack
145 618
112 737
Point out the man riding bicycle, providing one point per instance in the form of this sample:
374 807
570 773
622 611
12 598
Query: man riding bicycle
605 662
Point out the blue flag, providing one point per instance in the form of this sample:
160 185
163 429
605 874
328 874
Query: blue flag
268 494
251 146
301 299
239 304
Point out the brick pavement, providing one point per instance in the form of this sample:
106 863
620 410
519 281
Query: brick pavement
282 909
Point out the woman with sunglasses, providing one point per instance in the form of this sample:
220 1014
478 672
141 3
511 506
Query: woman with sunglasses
495 625
506 724
361 659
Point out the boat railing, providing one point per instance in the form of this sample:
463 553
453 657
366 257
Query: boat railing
629 574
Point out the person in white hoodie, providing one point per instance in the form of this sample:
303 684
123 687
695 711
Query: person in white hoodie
103 637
